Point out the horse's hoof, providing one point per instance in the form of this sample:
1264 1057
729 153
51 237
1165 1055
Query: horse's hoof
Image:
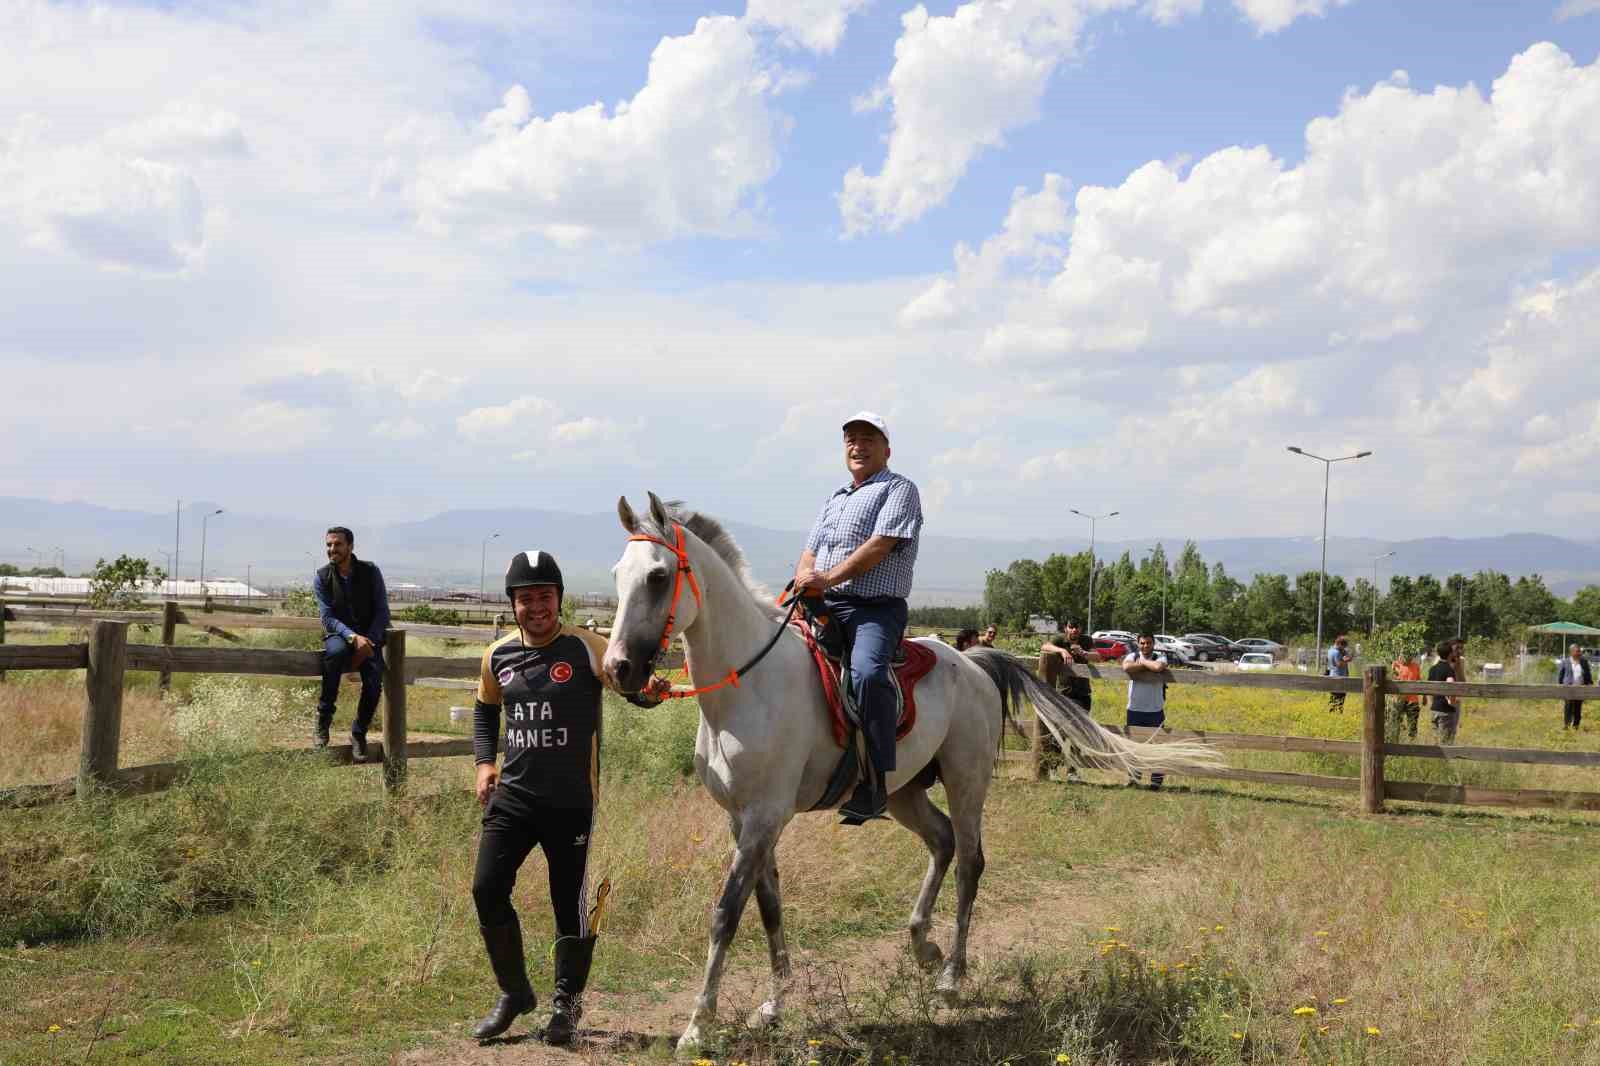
948 987
764 1016
928 955
689 1042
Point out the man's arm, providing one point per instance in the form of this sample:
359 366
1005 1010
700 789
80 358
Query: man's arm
380 616
330 625
486 731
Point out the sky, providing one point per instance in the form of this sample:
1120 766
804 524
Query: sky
331 259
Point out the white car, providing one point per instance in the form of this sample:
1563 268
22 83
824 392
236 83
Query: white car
1175 646
1255 660
1130 639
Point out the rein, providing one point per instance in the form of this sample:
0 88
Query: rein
685 570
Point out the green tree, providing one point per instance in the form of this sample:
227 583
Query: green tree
1011 595
1230 614
1064 586
1269 607
1384 646
119 584
1586 605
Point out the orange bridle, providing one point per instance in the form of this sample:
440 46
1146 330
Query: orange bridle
684 570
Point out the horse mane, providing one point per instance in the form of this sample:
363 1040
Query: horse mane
719 540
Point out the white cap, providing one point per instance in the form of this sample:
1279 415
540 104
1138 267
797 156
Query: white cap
876 421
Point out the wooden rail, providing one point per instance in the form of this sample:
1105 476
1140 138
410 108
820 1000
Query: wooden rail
107 656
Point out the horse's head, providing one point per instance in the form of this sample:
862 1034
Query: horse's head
658 597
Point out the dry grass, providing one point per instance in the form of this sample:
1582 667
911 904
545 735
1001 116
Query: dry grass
43 713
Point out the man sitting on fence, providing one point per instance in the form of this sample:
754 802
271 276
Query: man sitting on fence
355 616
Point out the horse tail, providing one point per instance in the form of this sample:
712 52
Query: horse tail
1079 735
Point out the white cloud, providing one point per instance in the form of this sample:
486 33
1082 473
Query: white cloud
961 82
817 25
1032 237
398 429
685 156
1572 9
1379 237
585 429
506 420
1270 16
184 130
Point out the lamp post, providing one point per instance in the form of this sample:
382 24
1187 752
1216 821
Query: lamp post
203 522
1093 518
1322 572
483 558
177 537
1159 548
62 552
169 568
35 552
1375 561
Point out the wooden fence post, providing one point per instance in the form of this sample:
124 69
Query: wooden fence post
2 631
169 634
102 705
394 710
1372 692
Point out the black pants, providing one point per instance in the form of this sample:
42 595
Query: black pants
1571 713
336 656
511 828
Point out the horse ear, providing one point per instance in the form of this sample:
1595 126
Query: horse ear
630 521
659 512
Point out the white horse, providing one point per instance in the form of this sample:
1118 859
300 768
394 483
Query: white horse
765 749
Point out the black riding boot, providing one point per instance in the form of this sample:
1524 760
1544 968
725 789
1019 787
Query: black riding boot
504 943
870 799
573 956
358 733
319 735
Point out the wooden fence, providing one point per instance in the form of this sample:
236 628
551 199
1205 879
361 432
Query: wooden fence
1375 689
107 656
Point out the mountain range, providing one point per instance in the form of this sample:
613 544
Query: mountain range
274 549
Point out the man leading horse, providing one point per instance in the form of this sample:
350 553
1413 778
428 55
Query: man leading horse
859 557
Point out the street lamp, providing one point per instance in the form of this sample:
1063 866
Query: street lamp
483 557
1375 561
168 554
177 538
1159 548
63 553
1093 518
1322 574
35 552
203 521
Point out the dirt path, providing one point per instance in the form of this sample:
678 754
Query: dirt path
619 1028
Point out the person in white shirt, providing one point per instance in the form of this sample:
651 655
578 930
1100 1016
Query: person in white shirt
1148 674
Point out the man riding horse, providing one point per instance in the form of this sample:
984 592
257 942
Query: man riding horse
859 557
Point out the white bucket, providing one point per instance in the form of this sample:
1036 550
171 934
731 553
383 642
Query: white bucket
460 714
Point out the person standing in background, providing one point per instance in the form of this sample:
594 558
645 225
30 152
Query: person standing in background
1574 670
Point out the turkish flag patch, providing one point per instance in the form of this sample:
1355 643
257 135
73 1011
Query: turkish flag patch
561 673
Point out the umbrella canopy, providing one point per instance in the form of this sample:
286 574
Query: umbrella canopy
1566 629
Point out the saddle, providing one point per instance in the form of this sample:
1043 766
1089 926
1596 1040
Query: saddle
912 662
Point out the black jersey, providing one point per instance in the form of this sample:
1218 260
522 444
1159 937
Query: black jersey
550 696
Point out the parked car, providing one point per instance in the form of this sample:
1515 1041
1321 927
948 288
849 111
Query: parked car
1255 660
1261 644
1174 649
1216 645
1111 649
1130 639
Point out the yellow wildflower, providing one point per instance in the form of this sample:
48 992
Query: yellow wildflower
1341 1001
1063 1058
54 1029
1304 1012
704 1062
1237 1035
1113 928
1322 1030
1218 928
1322 932
1373 1030
813 1043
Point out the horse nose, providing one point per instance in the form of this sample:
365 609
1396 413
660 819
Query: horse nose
621 669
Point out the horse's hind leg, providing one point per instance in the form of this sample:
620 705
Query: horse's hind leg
966 816
755 844
770 900
912 808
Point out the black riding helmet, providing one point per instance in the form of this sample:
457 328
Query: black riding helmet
533 567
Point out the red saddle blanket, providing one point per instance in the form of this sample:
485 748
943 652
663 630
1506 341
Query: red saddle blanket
919 660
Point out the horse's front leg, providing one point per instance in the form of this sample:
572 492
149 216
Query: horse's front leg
756 839
770 899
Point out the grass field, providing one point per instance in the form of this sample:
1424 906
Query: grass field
274 908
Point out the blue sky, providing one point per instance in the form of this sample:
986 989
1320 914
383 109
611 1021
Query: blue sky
297 254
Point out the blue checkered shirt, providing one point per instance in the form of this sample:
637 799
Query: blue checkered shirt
885 504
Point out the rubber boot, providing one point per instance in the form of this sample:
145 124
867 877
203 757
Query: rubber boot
319 735
504 943
574 954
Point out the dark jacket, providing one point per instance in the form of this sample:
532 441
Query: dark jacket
365 610
1564 671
